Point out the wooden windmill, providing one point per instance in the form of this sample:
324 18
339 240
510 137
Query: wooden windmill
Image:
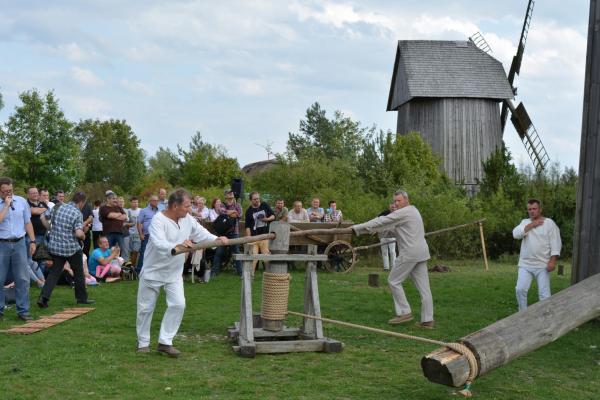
449 92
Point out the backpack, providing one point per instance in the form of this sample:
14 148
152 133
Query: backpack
223 224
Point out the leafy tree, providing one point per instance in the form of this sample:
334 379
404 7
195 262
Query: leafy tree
500 173
319 136
390 161
38 146
206 165
165 164
111 153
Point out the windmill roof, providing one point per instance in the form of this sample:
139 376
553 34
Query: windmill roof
435 68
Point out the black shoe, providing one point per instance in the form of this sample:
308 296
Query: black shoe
42 302
25 317
86 301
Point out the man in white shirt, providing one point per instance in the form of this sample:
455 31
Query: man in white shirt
407 228
298 214
169 228
540 249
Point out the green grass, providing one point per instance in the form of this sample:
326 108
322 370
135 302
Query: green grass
92 357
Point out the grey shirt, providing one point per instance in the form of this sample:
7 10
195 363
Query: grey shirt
408 230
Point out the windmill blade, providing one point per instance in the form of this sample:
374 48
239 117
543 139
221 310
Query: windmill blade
529 136
515 66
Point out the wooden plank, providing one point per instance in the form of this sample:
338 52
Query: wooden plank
284 333
289 346
523 332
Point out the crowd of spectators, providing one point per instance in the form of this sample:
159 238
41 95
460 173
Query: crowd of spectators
50 241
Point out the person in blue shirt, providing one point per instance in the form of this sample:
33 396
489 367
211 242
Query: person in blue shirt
105 262
143 224
15 223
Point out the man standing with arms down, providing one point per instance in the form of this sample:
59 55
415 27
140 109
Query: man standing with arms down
413 251
15 225
258 216
169 228
540 249
67 230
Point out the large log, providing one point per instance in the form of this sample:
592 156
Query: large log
518 334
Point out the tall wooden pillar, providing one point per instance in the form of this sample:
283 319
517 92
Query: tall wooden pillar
586 243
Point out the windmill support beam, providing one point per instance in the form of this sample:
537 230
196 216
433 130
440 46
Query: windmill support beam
586 252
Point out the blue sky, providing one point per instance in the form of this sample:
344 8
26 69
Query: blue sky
244 72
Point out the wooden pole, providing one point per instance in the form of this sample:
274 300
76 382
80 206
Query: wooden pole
518 334
370 246
485 260
218 243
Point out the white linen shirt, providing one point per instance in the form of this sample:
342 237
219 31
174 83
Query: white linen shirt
406 226
165 234
539 243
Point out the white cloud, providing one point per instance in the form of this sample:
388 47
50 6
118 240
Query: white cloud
251 87
73 52
88 107
432 26
338 15
86 77
137 87
553 50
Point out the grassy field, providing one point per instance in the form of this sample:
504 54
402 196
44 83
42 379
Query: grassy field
92 357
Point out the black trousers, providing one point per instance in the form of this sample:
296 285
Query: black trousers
86 244
76 263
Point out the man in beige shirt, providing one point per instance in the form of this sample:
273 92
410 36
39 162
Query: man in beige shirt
407 227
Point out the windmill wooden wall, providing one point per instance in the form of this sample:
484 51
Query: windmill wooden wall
463 131
586 246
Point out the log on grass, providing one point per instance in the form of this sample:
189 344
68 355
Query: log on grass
518 334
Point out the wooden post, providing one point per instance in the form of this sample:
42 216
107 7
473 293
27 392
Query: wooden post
485 260
246 338
518 334
374 280
586 252
312 328
279 245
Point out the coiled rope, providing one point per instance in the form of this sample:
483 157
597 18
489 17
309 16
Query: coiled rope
275 293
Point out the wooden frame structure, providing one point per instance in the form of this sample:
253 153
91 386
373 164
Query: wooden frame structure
255 334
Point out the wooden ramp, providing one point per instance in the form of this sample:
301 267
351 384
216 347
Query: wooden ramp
48 321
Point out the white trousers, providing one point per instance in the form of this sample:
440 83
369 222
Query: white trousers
418 273
148 292
524 279
388 252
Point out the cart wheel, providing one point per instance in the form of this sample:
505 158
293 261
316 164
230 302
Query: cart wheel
340 256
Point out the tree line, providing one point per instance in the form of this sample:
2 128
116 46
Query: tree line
334 158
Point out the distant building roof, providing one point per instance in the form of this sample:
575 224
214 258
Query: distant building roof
259 166
428 68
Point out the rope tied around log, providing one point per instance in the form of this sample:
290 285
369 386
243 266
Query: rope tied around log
276 289
458 347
